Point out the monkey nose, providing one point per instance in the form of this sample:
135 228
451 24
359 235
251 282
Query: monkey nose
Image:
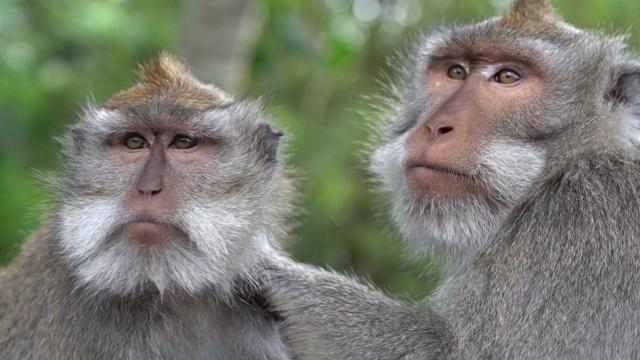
149 186
438 130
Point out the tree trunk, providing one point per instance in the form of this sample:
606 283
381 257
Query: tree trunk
218 38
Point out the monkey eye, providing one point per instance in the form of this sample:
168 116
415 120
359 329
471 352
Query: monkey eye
507 76
135 141
183 142
457 72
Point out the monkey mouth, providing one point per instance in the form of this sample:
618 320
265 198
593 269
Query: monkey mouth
145 233
147 220
441 169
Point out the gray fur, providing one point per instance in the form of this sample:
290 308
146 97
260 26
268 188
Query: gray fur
555 273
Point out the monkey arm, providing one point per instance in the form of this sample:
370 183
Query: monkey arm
330 316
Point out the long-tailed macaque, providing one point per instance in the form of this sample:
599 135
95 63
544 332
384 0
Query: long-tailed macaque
168 204
516 139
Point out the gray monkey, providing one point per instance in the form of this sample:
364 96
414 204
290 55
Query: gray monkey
515 140
167 207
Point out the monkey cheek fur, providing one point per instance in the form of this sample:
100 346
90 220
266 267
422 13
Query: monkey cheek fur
213 249
435 212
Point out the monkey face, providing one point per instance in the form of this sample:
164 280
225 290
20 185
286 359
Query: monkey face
471 129
459 166
169 194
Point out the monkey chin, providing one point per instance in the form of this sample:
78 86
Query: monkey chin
441 184
150 236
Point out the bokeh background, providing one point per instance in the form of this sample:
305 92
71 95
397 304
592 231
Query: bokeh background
313 62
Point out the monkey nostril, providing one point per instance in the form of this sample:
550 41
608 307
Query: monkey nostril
444 129
149 191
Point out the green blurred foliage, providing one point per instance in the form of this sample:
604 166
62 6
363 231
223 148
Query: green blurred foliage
314 62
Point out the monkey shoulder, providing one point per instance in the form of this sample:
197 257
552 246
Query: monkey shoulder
565 262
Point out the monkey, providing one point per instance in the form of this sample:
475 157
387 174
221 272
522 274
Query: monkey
170 198
449 219
543 119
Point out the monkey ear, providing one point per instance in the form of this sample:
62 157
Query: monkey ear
624 95
626 86
267 142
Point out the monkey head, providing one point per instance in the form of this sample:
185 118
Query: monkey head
485 110
169 185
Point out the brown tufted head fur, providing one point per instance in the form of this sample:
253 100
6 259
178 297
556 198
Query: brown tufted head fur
167 77
533 16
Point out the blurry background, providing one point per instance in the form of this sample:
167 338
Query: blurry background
312 62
